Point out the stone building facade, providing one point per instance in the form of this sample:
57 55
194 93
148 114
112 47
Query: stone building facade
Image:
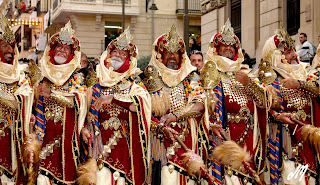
90 18
259 19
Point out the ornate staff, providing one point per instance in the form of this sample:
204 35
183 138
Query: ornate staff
194 163
310 133
87 172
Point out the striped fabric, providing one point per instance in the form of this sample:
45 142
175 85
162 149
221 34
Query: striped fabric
40 121
96 90
219 108
216 172
94 115
274 146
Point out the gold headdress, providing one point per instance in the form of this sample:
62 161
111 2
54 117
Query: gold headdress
173 40
227 34
124 40
6 33
284 38
66 34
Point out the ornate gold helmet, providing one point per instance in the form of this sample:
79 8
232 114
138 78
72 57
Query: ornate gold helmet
225 36
170 41
5 31
65 36
124 42
283 40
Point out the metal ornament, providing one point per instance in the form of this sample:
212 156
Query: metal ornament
210 76
66 34
124 40
6 33
172 39
227 34
284 38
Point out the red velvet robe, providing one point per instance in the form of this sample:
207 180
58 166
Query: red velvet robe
60 165
236 130
128 156
306 154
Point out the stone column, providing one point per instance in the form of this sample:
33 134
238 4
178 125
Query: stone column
248 26
316 22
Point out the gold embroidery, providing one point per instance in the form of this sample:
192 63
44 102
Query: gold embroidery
53 109
112 123
62 100
178 98
295 98
112 109
48 150
112 142
236 92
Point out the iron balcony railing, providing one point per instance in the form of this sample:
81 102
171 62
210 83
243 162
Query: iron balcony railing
194 7
56 2
117 1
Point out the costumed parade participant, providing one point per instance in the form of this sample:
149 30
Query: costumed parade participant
293 105
239 110
15 106
60 108
120 115
177 109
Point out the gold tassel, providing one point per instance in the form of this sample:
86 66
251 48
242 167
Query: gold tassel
193 163
311 134
30 151
160 103
87 172
230 153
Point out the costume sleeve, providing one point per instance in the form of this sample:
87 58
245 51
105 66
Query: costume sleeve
27 92
139 92
80 102
142 101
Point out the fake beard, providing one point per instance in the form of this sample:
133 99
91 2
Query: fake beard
172 66
116 62
59 59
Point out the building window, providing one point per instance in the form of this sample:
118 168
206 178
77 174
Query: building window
293 16
112 30
236 17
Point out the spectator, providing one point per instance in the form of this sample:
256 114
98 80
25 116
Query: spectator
196 59
198 43
23 7
84 60
247 60
307 51
191 42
